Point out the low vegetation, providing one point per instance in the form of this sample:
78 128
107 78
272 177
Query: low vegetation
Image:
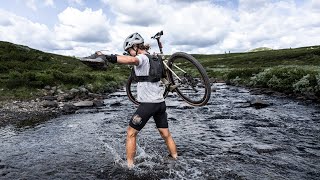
292 71
25 71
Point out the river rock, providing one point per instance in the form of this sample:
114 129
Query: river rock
94 95
258 103
98 103
49 98
116 104
68 96
83 90
47 87
74 91
266 148
50 104
84 104
69 109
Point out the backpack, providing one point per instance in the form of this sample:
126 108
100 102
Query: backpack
156 71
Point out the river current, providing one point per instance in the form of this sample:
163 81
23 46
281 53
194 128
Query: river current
225 139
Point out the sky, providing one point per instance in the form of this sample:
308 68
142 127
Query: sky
81 27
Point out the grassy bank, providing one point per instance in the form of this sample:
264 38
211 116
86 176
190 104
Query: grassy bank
25 71
294 71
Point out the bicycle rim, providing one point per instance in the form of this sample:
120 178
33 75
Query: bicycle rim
192 81
131 90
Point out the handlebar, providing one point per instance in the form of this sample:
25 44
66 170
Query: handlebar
157 37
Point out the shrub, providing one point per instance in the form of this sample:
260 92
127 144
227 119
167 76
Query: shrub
261 78
274 83
3 68
303 85
317 87
15 80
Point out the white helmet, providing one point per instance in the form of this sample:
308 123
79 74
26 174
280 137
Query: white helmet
131 40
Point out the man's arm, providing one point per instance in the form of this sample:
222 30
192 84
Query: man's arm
128 60
121 59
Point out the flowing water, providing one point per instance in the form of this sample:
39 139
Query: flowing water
224 140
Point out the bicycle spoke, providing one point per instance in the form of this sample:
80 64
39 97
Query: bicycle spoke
191 83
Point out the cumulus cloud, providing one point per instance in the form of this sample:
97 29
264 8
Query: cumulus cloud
203 26
82 26
279 24
141 13
198 25
76 33
33 34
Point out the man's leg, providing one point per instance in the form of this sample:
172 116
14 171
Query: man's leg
131 145
171 145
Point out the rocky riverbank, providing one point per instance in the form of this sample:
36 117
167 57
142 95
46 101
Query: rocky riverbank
56 102
53 103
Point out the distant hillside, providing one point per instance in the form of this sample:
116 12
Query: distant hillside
24 71
260 49
305 56
293 71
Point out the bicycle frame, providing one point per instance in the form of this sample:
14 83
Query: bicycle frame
167 82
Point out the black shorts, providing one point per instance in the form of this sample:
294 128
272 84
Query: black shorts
147 110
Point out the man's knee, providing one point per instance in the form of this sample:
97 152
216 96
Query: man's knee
131 132
165 134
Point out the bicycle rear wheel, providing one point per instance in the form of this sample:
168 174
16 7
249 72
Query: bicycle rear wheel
191 79
131 90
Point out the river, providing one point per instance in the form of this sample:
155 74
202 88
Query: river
225 139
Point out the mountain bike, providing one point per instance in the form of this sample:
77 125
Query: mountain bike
184 75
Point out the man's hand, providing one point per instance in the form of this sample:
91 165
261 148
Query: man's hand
99 53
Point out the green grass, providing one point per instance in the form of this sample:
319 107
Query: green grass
25 71
286 70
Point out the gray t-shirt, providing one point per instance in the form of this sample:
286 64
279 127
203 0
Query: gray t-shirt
147 92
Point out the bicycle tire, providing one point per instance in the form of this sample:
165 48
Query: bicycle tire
131 87
194 68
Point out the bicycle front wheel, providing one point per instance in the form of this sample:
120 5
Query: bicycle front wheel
190 79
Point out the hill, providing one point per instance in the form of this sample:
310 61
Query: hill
292 71
260 49
25 71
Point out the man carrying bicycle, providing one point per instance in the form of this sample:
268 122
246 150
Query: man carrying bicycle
149 94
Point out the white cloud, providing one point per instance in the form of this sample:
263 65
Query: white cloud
31 4
82 26
78 33
186 26
49 3
23 31
143 12
198 25
189 25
